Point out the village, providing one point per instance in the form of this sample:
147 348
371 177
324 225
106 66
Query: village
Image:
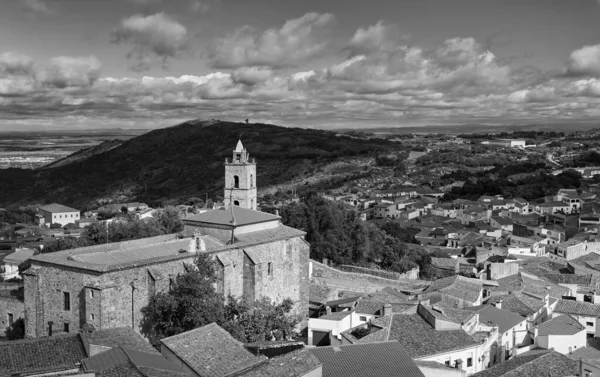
516 291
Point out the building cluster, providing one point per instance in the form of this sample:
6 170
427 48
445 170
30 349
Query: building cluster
519 294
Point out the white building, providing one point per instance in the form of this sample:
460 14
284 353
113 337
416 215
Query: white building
564 333
58 214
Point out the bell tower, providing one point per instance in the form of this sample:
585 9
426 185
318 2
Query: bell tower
240 179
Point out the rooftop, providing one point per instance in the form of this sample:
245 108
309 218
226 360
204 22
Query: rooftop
585 353
366 359
502 220
222 216
336 316
561 325
540 364
118 360
458 286
58 208
296 363
503 318
420 339
41 354
119 337
519 303
577 308
212 352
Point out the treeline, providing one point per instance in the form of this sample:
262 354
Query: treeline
335 232
528 181
513 135
25 215
127 228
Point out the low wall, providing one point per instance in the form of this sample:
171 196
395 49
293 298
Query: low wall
323 271
412 274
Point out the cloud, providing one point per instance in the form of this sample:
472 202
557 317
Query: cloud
144 2
65 71
376 38
297 41
14 63
251 75
202 7
155 39
584 61
36 6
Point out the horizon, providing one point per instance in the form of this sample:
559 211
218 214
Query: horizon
149 64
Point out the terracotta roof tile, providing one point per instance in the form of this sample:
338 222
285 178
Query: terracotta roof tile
545 364
577 308
561 325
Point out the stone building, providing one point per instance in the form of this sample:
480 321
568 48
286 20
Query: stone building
107 285
240 179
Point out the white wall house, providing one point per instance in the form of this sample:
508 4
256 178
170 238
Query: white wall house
564 333
58 214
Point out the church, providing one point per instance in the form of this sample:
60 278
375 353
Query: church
107 285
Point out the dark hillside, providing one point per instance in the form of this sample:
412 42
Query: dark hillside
182 161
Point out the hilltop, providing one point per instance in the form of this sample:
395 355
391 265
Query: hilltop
187 160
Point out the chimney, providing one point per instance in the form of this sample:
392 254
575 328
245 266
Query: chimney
498 304
387 309
276 212
328 310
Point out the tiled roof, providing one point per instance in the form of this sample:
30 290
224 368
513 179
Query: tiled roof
346 300
19 256
366 359
211 351
369 306
502 220
151 365
585 353
561 325
41 354
58 208
420 339
336 316
446 312
503 318
518 303
222 216
119 337
457 286
577 308
546 364
293 364
591 260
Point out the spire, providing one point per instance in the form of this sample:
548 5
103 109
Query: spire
239 147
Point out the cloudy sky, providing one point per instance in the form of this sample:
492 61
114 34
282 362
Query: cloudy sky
68 64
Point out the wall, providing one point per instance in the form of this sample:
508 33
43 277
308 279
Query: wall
579 250
564 344
60 218
11 305
321 270
433 371
500 270
473 352
118 296
412 274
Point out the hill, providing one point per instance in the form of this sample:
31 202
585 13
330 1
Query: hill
187 160
84 154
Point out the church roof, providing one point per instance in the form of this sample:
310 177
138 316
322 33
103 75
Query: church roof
239 147
222 216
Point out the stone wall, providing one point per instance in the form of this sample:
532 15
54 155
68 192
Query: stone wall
115 299
412 274
10 304
320 270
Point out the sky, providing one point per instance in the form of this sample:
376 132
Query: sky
88 64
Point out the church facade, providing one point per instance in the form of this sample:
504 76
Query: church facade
107 285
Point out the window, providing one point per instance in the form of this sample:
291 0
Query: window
10 319
235 202
587 373
238 157
469 362
91 294
362 318
447 362
65 327
251 180
270 268
66 301
92 317
236 181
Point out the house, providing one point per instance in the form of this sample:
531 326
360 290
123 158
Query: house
452 347
536 364
58 214
12 261
209 351
511 328
534 310
387 358
473 214
586 313
552 207
445 267
503 223
588 360
385 210
455 290
299 363
564 334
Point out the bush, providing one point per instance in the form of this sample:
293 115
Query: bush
55 226
361 332
17 330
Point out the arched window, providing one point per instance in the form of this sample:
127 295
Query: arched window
235 202
236 181
251 180
251 203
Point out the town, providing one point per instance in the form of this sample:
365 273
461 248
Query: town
504 285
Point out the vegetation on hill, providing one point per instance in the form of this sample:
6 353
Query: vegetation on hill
184 161
83 154
336 233
192 302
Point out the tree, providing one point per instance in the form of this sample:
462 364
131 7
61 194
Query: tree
17 330
169 221
55 226
191 302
